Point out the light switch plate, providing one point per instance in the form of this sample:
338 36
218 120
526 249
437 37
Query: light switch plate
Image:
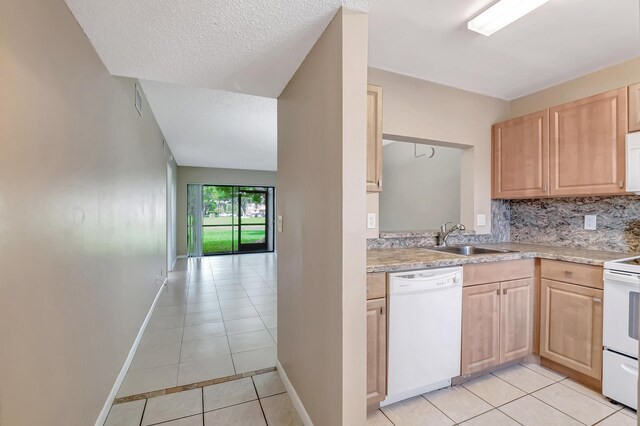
590 221
280 221
371 221
481 220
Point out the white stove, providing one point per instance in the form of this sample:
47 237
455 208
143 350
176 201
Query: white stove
621 320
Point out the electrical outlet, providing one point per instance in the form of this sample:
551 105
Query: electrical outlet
280 223
371 221
481 220
590 222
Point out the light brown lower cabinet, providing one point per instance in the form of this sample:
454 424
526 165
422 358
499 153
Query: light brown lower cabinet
571 326
516 319
376 350
497 323
480 327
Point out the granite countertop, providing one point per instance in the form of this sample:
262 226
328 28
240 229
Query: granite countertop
403 259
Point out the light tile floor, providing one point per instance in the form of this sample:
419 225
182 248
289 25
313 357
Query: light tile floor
258 400
526 394
215 318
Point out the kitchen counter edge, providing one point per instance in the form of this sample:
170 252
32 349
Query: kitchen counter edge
382 260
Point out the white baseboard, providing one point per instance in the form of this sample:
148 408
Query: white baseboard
295 399
123 372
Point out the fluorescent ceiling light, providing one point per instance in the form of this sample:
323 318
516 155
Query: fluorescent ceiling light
502 14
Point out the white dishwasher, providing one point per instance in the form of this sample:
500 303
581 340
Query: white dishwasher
425 328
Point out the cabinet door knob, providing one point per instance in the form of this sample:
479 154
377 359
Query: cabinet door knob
544 188
504 291
621 184
597 300
498 292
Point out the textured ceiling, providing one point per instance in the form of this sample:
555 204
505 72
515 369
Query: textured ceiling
211 128
561 40
254 47
244 46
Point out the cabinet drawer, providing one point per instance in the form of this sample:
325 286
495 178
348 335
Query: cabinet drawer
620 378
483 273
376 285
574 273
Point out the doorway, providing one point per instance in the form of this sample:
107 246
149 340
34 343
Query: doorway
253 228
233 219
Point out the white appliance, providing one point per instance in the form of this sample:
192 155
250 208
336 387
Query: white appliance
425 328
633 162
621 317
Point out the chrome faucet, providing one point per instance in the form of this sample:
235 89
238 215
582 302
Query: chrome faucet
444 233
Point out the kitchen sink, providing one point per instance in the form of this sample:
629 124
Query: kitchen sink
468 250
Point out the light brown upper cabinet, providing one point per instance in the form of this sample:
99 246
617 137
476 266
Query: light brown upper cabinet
575 149
374 138
587 153
634 108
521 157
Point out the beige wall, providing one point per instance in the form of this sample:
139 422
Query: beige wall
205 175
373 206
321 251
419 192
82 219
419 109
610 78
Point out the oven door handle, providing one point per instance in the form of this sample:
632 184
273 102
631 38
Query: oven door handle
634 314
621 278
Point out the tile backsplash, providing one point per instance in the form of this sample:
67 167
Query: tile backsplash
560 222
551 221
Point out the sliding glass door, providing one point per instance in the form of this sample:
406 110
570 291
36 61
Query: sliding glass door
218 219
252 220
234 219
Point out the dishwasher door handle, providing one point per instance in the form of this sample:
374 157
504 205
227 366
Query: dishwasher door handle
425 286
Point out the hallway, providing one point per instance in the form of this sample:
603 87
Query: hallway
215 319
